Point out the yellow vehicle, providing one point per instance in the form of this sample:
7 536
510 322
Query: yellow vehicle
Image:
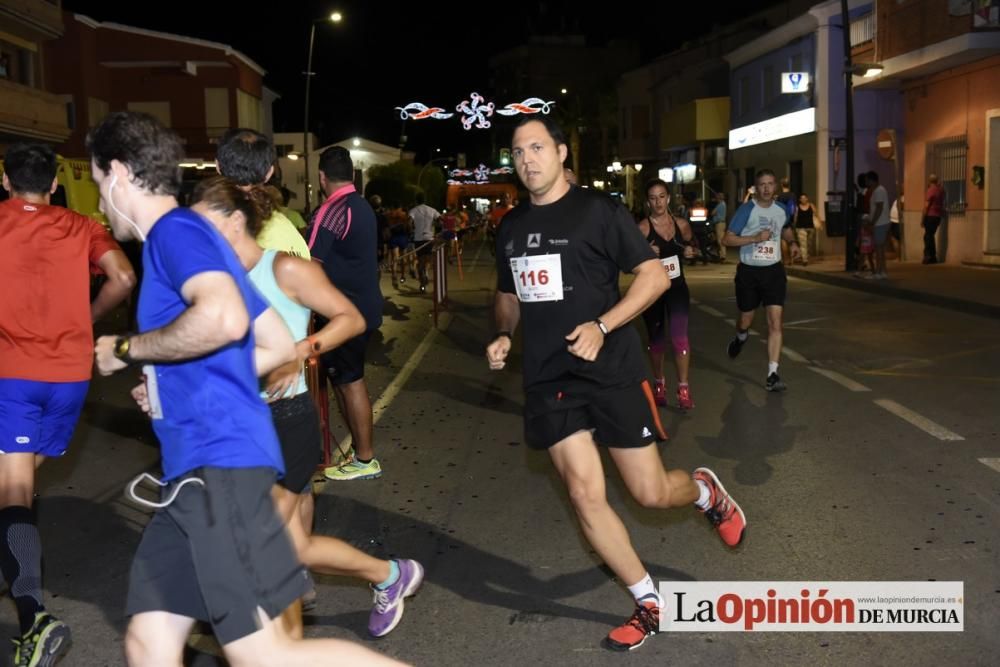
76 190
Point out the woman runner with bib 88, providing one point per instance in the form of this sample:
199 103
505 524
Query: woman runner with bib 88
669 238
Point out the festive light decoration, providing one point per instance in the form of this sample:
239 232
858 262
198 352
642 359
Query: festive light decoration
528 106
475 110
418 111
479 175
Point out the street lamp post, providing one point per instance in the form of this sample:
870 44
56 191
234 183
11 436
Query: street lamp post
334 18
850 260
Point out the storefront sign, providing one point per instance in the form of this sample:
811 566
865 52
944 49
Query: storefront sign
794 82
772 129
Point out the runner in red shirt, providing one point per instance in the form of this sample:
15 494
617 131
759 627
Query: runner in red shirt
46 354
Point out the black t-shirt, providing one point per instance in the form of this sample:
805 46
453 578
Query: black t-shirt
347 245
595 239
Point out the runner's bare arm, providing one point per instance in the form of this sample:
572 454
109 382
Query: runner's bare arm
735 241
306 283
120 283
650 282
788 234
684 227
273 342
507 311
216 317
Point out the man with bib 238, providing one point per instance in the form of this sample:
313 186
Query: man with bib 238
757 230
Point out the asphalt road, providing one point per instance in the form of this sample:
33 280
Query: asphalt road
880 463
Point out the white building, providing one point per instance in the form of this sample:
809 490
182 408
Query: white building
364 153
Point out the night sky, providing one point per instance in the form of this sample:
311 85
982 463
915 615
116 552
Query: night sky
386 54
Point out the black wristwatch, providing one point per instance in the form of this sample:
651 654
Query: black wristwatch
602 326
122 348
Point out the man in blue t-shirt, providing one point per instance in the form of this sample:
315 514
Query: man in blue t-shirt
216 549
757 229
342 237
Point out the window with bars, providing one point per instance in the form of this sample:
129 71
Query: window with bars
947 158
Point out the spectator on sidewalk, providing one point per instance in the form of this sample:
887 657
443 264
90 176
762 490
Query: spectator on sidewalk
878 216
806 222
719 222
933 210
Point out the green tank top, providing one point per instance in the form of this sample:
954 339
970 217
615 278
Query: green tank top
294 315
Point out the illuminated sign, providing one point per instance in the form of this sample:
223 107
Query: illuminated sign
475 110
685 173
794 82
772 129
666 174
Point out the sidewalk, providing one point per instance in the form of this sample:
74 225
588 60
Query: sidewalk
974 291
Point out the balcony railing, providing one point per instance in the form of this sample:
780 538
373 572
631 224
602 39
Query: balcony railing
863 29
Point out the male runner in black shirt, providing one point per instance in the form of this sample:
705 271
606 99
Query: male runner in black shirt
558 263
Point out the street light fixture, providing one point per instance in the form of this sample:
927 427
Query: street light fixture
335 17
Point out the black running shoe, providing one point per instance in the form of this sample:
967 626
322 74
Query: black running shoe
734 347
774 383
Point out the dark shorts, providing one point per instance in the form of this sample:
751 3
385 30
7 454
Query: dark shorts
425 248
297 424
623 417
400 241
449 235
895 230
881 234
760 284
39 417
346 364
217 553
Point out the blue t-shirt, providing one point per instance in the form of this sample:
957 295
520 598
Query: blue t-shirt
749 220
346 242
212 414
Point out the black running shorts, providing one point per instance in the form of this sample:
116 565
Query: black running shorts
217 553
346 364
618 416
297 424
760 284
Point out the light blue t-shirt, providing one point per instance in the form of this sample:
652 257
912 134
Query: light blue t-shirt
296 317
211 412
751 219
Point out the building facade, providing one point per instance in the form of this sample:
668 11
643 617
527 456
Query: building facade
942 59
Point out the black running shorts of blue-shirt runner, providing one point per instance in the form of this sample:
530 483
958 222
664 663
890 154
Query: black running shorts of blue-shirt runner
595 239
219 551
758 282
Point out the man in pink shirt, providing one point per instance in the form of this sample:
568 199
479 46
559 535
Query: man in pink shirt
933 210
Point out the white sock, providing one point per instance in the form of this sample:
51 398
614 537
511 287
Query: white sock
742 335
645 590
704 496
772 367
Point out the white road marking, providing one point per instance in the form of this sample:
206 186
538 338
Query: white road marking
842 380
793 355
814 319
387 397
924 424
991 463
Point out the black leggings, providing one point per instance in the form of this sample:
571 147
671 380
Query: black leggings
931 224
